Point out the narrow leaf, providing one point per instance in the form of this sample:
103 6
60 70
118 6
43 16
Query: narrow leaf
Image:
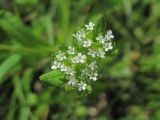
7 65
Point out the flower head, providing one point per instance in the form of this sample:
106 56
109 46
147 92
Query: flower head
87 51
72 81
71 50
108 46
101 39
82 86
93 76
87 43
101 53
92 53
70 71
63 68
93 65
109 35
55 65
61 56
80 35
90 26
74 60
80 58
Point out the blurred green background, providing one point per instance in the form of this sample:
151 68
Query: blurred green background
31 30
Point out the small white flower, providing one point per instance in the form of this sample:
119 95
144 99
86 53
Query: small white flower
109 35
72 81
74 60
93 65
82 86
90 26
70 71
71 50
81 58
101 53
77 36
87 43
55 65
101 39
80 35
108 46
61 56
63 68
93 76
92 53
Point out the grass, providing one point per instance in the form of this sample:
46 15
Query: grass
32 30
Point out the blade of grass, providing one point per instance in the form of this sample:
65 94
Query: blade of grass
10 62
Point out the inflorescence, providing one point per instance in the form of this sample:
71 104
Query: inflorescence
79 62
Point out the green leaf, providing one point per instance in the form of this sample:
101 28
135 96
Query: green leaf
89 88
19 31
7 65
53 78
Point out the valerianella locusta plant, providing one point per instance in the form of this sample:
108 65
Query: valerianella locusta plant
79 63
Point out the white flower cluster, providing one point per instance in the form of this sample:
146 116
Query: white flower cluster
80 64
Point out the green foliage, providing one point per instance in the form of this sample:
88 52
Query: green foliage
53 78
7 65
31 30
